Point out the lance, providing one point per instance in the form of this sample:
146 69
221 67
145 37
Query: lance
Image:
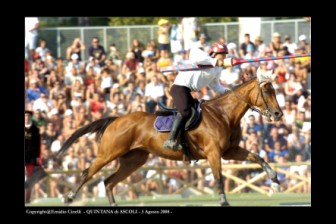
228 62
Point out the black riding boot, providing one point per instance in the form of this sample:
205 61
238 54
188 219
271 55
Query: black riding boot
171 142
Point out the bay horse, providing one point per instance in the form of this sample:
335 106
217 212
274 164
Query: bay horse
130 138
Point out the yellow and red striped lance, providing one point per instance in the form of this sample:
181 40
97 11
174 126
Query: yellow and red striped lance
228 62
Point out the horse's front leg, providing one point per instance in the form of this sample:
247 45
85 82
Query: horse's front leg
241 154
216 167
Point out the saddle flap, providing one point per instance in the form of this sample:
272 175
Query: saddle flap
165 118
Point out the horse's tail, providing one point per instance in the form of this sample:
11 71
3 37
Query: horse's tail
98 126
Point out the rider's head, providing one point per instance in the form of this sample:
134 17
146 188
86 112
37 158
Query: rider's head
218 48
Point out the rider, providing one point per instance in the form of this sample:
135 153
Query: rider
188 81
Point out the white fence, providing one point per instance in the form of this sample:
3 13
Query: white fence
58 39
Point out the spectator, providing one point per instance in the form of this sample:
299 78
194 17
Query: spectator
251 127
154 93
260 47
190 29
60 69
291 46
40 67
130 65
32 25
77 90
232 51
176 38
43 104
296 142
291 86
303 67
243 46
303 43
275 137
34 90
113 69
49 135
202 43
55 91
180 58
306 108
74 63
106 83
149 52
60 104
163 35
289 113
97 51
39 119
57 144
114 54
117 102
129 92
164 60
32 150
281 72
56 120
76 47
276 44
52 80
97 106
42 49
70 79
137 50
277 151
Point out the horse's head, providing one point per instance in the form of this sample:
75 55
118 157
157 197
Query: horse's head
265 97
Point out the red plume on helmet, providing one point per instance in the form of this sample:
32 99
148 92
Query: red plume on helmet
218 48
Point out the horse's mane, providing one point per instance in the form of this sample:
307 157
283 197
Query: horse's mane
229 92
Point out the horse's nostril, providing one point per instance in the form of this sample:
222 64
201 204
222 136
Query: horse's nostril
276 114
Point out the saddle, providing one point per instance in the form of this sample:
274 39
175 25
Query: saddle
165 118
164 122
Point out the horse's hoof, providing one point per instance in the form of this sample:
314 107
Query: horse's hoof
68 200
225 204
275 187
114 205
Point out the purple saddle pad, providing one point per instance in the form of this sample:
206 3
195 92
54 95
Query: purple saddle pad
163 123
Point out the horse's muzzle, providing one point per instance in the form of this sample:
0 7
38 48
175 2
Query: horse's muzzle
276 114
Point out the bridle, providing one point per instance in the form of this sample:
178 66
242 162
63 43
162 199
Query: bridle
267 111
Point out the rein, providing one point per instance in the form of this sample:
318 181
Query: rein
254 108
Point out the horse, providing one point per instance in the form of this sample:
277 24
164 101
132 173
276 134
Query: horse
130 138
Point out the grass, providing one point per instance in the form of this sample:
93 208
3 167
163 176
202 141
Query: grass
248 199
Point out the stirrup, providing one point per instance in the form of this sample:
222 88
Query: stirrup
169 144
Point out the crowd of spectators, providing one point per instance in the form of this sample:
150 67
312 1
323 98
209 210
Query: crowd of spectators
67 93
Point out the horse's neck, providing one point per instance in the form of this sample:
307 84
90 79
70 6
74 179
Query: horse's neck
234 105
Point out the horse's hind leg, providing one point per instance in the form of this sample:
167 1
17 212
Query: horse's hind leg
97 164
242 154
128 163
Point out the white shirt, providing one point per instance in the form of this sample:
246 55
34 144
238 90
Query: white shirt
106 82
229 77
291 47
30 23
154 91
39 104
195 80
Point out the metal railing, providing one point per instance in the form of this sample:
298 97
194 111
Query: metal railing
60 38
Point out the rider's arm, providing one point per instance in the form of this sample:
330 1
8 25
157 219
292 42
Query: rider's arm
217 87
